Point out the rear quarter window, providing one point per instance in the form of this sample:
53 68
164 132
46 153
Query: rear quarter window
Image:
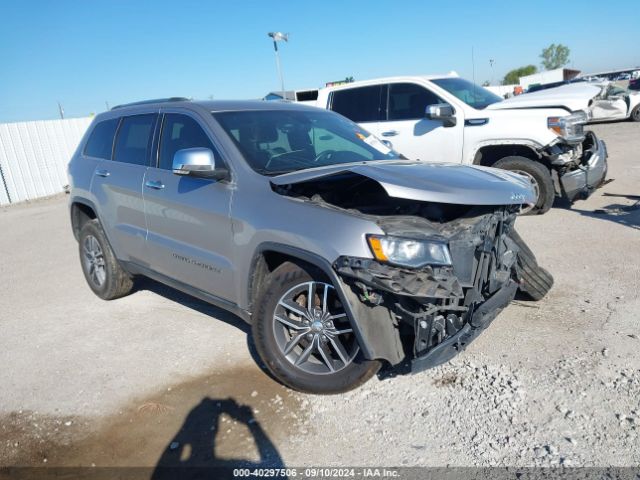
100 143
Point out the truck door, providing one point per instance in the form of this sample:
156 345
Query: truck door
414 135
363 105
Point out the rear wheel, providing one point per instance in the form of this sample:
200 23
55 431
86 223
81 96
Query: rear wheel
103 273
540 179
635 114
305 337
536 281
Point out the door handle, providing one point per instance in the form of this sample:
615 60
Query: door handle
390 133
101 172
155 184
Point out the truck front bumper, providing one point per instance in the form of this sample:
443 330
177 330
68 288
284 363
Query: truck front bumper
592 172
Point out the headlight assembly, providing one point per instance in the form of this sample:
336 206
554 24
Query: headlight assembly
570 127
408 252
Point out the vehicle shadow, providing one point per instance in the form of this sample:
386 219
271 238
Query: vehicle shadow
218 314
627 215
193 453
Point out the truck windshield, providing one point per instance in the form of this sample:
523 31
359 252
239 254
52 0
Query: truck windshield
280 141
470 93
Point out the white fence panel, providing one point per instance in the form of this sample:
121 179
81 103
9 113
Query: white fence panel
34 157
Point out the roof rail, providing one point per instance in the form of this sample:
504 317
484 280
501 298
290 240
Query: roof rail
156 100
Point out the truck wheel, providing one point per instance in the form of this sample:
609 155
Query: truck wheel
635 114
103 273
540 179
536 281
305 337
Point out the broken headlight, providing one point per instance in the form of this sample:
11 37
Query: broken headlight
570 127
409 252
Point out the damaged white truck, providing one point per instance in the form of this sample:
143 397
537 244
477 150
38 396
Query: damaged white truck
449 119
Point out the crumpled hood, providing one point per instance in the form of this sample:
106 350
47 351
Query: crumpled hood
574 96
431 182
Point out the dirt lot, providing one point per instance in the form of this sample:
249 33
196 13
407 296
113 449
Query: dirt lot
159 378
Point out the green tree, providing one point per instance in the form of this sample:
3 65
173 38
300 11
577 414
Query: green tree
555 56
514 75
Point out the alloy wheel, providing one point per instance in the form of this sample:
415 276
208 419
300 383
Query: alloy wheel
536 190
93 259
312 330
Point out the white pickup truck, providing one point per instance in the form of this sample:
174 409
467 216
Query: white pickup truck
449 119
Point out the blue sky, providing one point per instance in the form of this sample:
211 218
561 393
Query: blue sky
86 53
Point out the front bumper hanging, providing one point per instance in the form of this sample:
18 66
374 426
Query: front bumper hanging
592 172
480 319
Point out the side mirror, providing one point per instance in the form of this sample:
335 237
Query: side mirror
443 112
197 162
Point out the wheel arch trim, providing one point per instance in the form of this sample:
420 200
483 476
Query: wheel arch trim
326 267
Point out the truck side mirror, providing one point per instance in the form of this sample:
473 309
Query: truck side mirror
198 162
443 112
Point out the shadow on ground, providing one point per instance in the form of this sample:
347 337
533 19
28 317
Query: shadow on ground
627 215
195 451
217 314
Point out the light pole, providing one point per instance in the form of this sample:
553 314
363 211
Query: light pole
491 61
277 37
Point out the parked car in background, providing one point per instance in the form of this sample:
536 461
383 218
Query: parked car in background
604 101
445 118
634 84
341 253
546 86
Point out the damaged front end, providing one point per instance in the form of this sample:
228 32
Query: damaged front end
580 168
438 310
441 271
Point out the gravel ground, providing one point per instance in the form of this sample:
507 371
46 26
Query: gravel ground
138 380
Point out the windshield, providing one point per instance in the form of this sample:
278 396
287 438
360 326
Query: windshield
470 93
282 141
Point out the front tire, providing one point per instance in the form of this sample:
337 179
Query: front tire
101 269
539 176
535 280
635 114
304 336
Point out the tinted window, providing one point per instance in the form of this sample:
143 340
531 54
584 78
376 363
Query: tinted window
178 132
408 101
281 141
100 143
359 104
134 139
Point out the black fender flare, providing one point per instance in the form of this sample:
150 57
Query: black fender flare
82 201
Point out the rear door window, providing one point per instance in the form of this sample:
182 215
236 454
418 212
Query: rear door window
100 143
363 104
408 101
135 135
179 132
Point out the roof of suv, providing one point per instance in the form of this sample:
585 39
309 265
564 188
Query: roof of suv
212 105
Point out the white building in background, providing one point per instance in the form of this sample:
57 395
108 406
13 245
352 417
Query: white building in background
549 76
34 157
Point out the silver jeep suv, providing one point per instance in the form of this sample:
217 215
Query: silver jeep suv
342 254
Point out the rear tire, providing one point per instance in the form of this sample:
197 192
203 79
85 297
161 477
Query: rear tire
272 337
537 172
536 281
635 114
101 269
